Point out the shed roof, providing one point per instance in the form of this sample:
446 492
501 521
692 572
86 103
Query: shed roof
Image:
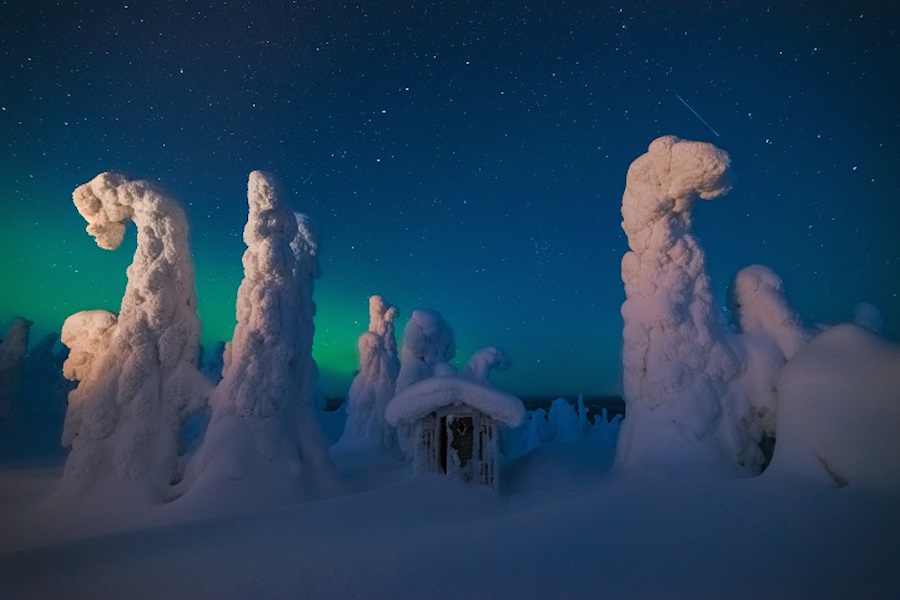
425 397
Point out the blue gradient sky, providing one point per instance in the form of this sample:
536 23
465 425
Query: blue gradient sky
467 157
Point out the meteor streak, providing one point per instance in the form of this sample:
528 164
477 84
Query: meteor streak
696 114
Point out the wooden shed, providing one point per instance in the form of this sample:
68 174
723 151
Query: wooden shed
455 425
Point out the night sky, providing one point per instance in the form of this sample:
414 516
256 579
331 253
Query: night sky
467 157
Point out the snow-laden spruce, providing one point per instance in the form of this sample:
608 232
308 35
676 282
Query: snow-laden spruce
44 389
768 334
756 299
674 365
697 392
13 349
137 372
486 361
428 347
263 434
373 386
562 422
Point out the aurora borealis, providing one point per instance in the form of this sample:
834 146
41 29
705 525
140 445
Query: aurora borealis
467 157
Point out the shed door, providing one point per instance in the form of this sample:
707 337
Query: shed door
461 437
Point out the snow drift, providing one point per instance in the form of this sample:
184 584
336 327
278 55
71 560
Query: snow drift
839 412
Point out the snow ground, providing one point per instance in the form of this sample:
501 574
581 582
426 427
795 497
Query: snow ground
823 521
565 525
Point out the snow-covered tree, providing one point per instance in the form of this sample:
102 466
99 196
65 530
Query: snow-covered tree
757 301
43 386
137 372
768 334
428 347
675 362
769 331
373 386
697 392
263 430
13 348
484 362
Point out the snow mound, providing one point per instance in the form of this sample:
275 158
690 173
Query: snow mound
424 397
839 411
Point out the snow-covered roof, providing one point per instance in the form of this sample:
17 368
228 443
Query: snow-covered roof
424 397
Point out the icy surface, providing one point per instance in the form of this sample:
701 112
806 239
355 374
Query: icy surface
426 396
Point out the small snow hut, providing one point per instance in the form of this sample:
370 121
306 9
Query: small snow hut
455 424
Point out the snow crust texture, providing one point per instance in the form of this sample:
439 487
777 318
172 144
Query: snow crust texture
137 371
